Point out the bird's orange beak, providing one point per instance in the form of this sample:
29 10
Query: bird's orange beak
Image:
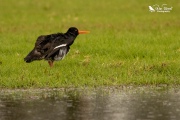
83 32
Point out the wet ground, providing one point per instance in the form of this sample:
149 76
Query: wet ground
124 103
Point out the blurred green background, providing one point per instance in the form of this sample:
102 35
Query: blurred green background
128 44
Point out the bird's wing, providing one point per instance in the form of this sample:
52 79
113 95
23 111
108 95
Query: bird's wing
37 52
58 52
44 43
43 46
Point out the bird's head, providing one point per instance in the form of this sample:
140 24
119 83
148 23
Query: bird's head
75 31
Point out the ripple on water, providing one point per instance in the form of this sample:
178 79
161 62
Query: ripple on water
126 103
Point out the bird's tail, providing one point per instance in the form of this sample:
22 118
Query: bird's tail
33 55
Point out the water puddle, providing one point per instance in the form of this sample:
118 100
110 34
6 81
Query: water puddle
140 103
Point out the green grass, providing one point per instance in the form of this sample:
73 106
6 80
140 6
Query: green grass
128 45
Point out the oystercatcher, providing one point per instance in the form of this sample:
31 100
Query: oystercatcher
53 47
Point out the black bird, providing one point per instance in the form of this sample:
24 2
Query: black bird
53 47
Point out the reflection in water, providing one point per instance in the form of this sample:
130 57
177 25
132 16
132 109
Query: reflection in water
100 104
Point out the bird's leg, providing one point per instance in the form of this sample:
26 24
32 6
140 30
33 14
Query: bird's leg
50 63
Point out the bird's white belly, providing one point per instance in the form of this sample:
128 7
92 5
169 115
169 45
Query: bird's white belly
61 55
